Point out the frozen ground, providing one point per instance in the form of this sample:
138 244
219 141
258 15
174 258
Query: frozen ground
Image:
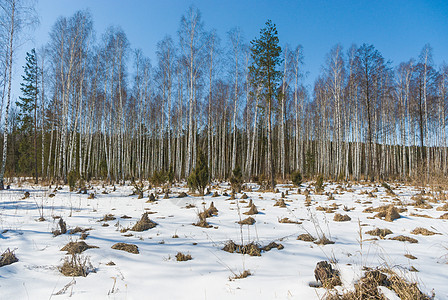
154 273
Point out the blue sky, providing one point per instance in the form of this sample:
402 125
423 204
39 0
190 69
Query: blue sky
398 29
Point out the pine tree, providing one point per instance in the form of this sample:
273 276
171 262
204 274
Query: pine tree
198 179
27 116
265 53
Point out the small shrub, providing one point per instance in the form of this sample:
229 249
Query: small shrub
72 178
236 181
198 179
158 178
296 178
319 184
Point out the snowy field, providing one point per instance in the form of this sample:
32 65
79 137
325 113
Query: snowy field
154 273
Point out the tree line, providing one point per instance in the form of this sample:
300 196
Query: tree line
97 108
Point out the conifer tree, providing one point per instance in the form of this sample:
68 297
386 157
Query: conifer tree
265 53
198 178
27 116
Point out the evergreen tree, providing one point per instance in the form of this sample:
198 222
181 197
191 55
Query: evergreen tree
198 178
27 116
265 53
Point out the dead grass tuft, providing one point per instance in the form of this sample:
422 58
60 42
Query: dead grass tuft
367 287
75 266
107 217
247 221
8 257
183 257
323 241
244 274
252 211
288 221
306 237
280 203
251 249
388 213
144 223
341 218
403 238
77 247
423 231
325 273
62 228
444 216
131 248
443 207
380 232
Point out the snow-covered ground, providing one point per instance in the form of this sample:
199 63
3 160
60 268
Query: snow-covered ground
154 273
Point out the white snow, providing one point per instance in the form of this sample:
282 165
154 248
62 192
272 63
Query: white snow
154 273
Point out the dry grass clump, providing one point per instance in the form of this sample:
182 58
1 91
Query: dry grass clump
306 237
144 223
403 238
423 231
380 232
252 211
75 266
328 210
78 229
202 222
76 247
323 241
211 211
325 273
421 216
183 257
8 257
444 216
182 195
207 213
62 228
341 218
244 274
388 213
244 196
131 248
247 221
367 287
251 249
107 217
280 203
420 202
286 220
151 199
271 246
443 207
